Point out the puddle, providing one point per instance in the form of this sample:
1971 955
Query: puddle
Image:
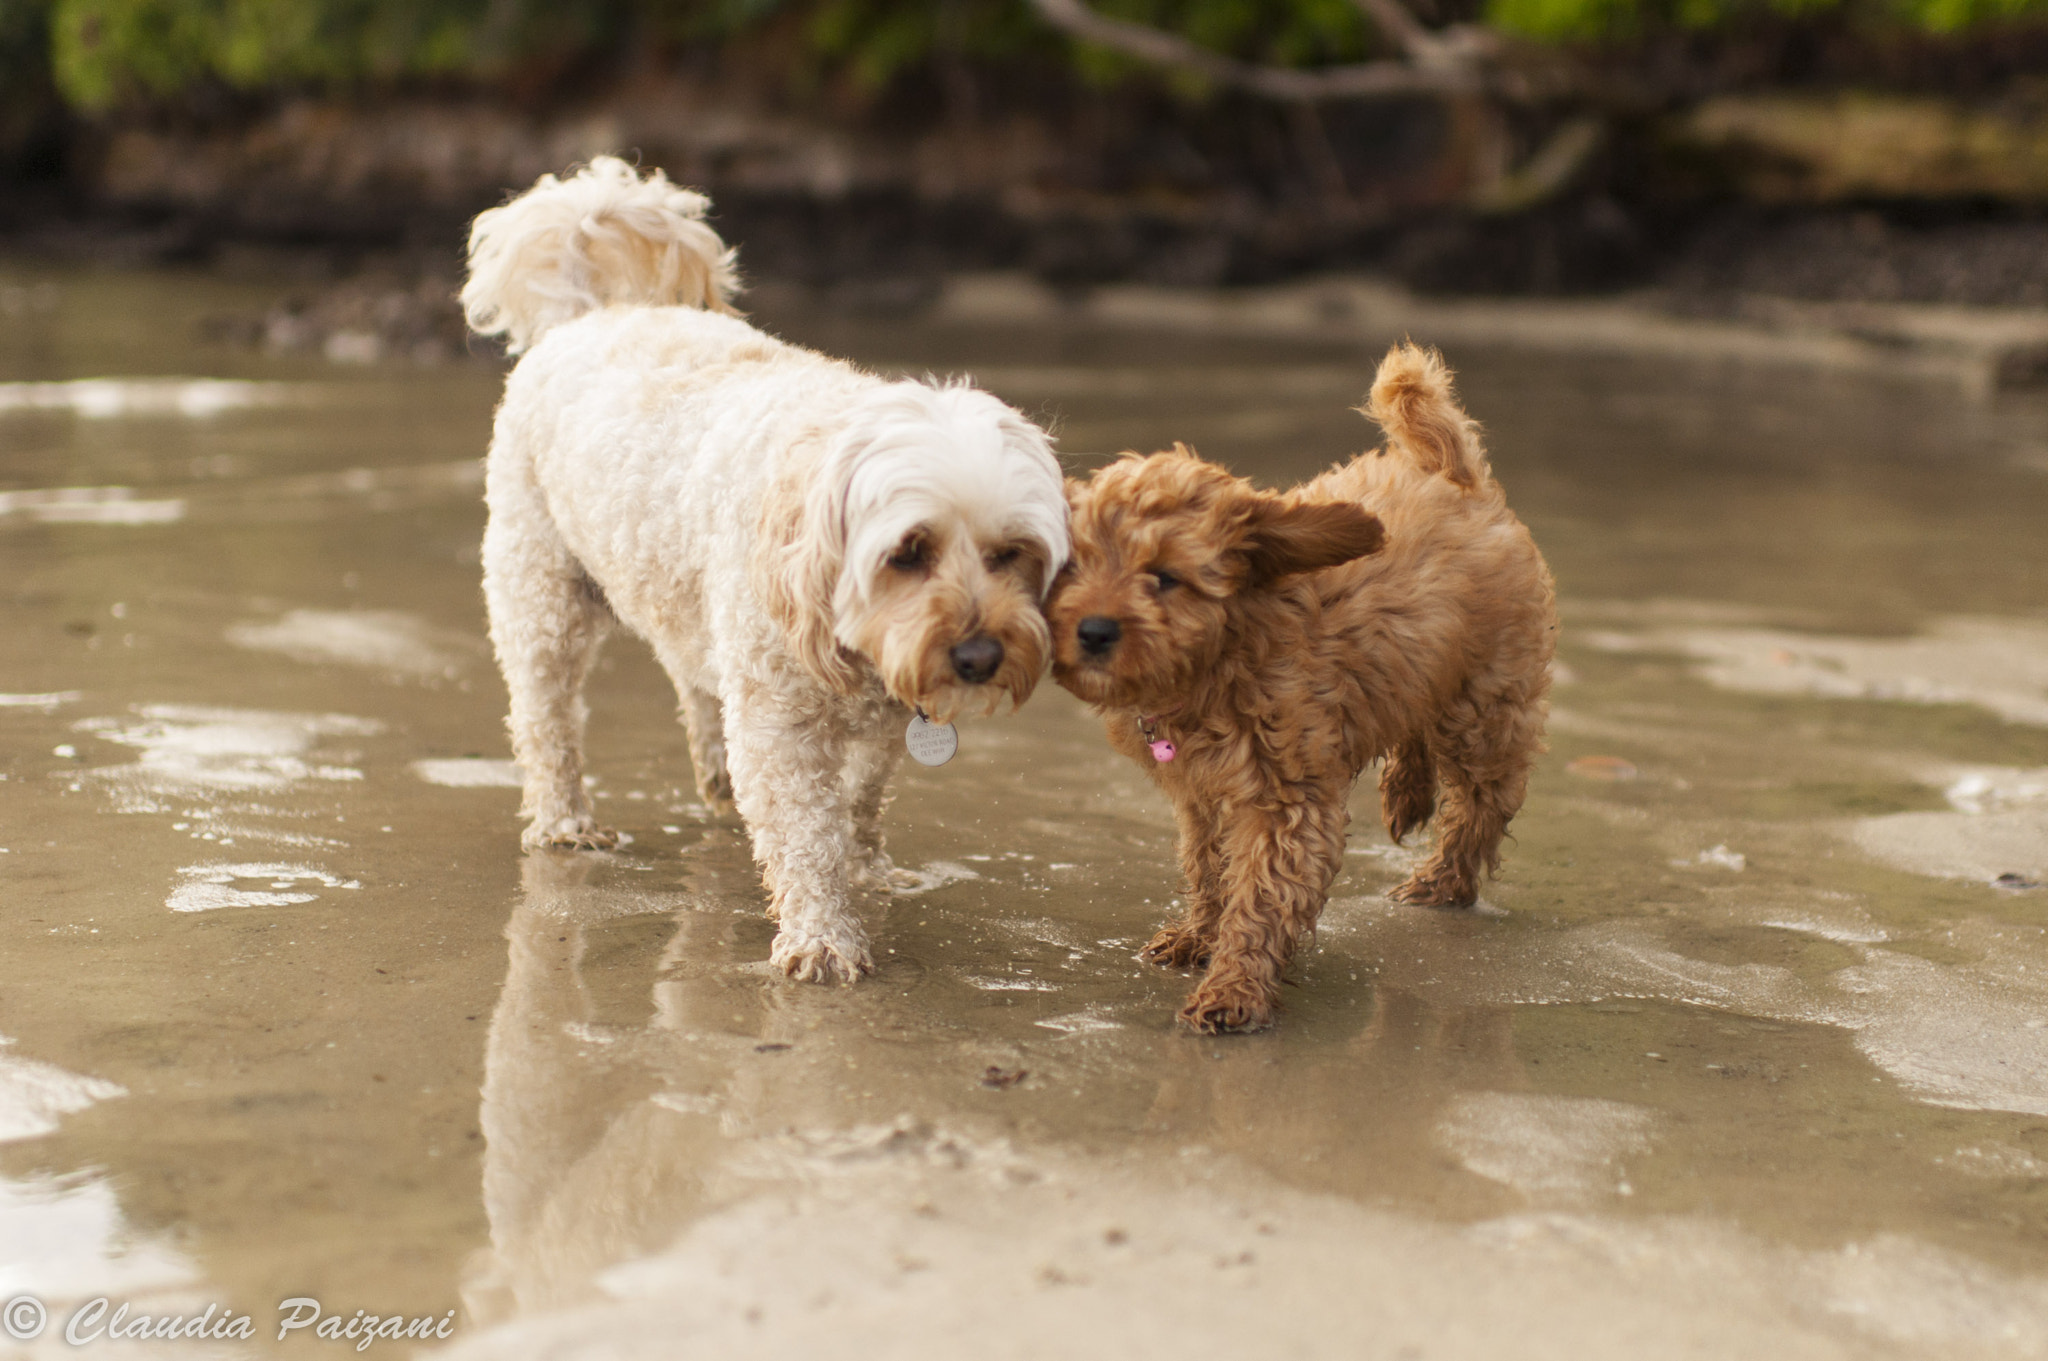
109 398
1995 830
1998 664
1547 1146
382 640
47 703
89 506
1746 1051
34 1096
84 1245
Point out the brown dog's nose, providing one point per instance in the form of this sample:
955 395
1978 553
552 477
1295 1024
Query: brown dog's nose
1098 633
975 660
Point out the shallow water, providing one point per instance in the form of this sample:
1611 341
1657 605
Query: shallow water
1745 1051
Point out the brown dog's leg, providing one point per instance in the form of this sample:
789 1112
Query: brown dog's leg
1407 788
1484 765
1277 868
1190 940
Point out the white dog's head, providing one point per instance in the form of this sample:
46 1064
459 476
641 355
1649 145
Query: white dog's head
920 534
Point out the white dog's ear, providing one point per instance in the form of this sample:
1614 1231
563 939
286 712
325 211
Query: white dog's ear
796 569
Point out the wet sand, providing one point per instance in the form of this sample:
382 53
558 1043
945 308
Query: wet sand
1745 1052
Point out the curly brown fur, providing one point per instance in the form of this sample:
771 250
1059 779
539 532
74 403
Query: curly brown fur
1392 608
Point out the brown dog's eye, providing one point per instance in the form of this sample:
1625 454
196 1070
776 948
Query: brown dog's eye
1167 580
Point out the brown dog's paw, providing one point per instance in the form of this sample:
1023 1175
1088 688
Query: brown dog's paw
1405 817
1435 890
1407 790
1228 1009
1177 947
1405 807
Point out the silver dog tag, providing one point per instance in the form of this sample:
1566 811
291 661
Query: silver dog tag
931 744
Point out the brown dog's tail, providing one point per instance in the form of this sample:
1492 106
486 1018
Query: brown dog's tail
1413 402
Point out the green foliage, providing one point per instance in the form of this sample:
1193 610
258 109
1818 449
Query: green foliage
1297 33
104 51
1595 20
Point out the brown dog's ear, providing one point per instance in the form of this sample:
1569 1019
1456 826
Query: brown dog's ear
1285 536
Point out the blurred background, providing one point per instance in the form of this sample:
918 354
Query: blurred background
1746 1049
1710 150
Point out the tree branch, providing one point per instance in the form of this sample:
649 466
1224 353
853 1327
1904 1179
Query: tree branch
1460 45
1392 18
1441 64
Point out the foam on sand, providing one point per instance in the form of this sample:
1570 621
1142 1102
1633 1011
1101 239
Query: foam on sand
190 749
206 888
470 772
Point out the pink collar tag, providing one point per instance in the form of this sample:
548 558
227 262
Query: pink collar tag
1163 749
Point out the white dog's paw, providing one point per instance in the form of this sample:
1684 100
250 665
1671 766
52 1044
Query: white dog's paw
840 957
877 872
570 833
714 786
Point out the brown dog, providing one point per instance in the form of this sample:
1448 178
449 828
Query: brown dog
1256 652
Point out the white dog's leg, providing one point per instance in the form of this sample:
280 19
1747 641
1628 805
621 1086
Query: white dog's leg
704 721
546 623
787 771
870 761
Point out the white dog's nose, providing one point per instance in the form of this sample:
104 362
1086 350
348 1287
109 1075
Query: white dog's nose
975 660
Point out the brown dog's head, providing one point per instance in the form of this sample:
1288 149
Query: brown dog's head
1168 552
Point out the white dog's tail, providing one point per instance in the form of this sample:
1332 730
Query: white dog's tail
1413 402
602 236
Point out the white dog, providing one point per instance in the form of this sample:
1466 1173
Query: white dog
812 551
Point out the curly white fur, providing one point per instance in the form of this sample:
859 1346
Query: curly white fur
810 549
602 236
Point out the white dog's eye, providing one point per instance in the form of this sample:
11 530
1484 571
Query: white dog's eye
1005 557
910 557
